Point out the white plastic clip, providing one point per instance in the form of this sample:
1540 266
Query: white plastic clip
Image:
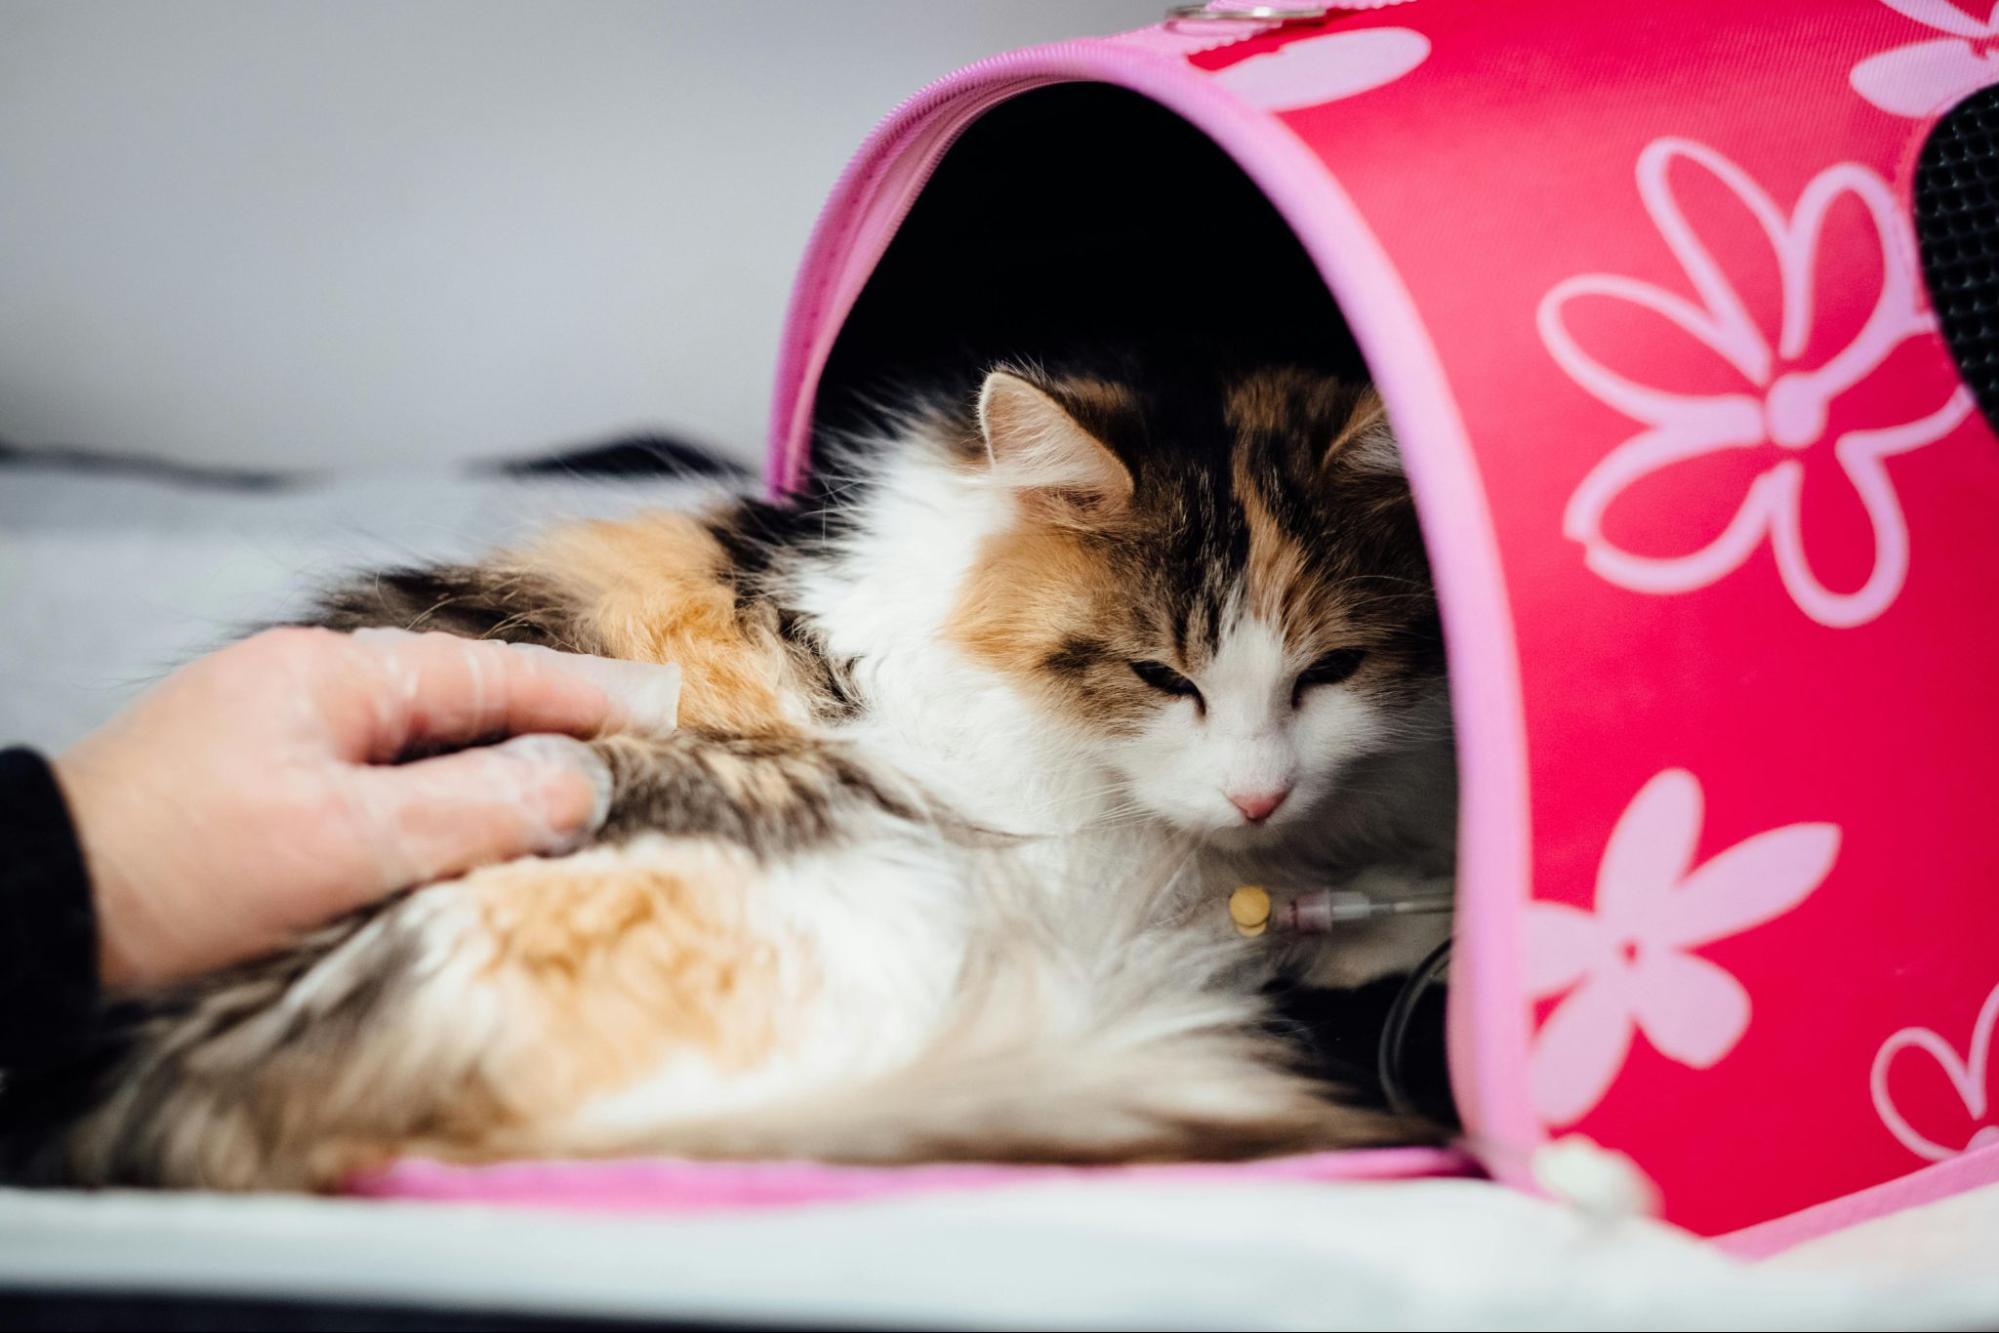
1597 1181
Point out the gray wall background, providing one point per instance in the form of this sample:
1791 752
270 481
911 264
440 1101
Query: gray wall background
371 232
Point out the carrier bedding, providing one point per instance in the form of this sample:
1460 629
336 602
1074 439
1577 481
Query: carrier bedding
1108 1253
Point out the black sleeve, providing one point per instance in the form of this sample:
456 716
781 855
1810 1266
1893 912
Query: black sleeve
48 925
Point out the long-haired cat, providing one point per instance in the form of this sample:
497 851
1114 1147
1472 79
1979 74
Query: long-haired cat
974 742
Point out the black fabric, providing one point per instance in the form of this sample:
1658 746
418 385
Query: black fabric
1338 1037
1957 228
983 270
48 926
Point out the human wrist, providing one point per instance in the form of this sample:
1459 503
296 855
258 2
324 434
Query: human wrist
91 799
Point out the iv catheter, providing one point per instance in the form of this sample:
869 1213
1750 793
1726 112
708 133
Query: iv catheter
1316 913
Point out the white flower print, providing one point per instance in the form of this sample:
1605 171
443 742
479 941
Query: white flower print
1969 1077
1780 399
1629 965
1325 68
1923 78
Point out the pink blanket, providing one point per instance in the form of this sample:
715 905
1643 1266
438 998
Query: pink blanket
668 1185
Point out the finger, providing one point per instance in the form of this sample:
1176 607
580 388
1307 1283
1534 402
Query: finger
532 795
442 689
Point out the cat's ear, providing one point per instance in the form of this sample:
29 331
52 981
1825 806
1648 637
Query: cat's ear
1366 443
1036 446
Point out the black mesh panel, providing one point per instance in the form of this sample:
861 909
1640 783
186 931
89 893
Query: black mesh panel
1957 226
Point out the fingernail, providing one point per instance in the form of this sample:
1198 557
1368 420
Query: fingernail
647 694
650 695
546 751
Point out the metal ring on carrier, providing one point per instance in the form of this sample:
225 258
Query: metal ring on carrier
1208 13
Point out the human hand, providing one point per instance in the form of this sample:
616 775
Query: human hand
253 794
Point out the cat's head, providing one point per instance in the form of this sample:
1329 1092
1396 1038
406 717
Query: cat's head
1215 585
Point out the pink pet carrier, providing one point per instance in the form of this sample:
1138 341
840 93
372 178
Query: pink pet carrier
1713 510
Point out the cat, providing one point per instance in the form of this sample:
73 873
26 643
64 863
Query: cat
976 737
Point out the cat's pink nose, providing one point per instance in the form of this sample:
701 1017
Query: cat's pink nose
1257 806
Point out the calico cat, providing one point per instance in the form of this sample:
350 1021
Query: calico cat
975 740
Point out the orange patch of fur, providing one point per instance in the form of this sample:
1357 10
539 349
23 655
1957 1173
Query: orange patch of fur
1275 573
1026 586
655 590
1034 586
616 964
1037 588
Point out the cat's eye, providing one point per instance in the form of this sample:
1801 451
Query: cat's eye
1330 669
1165 679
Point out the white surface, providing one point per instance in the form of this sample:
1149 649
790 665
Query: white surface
1425 1254
358 231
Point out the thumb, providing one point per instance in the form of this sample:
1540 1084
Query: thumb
535 794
